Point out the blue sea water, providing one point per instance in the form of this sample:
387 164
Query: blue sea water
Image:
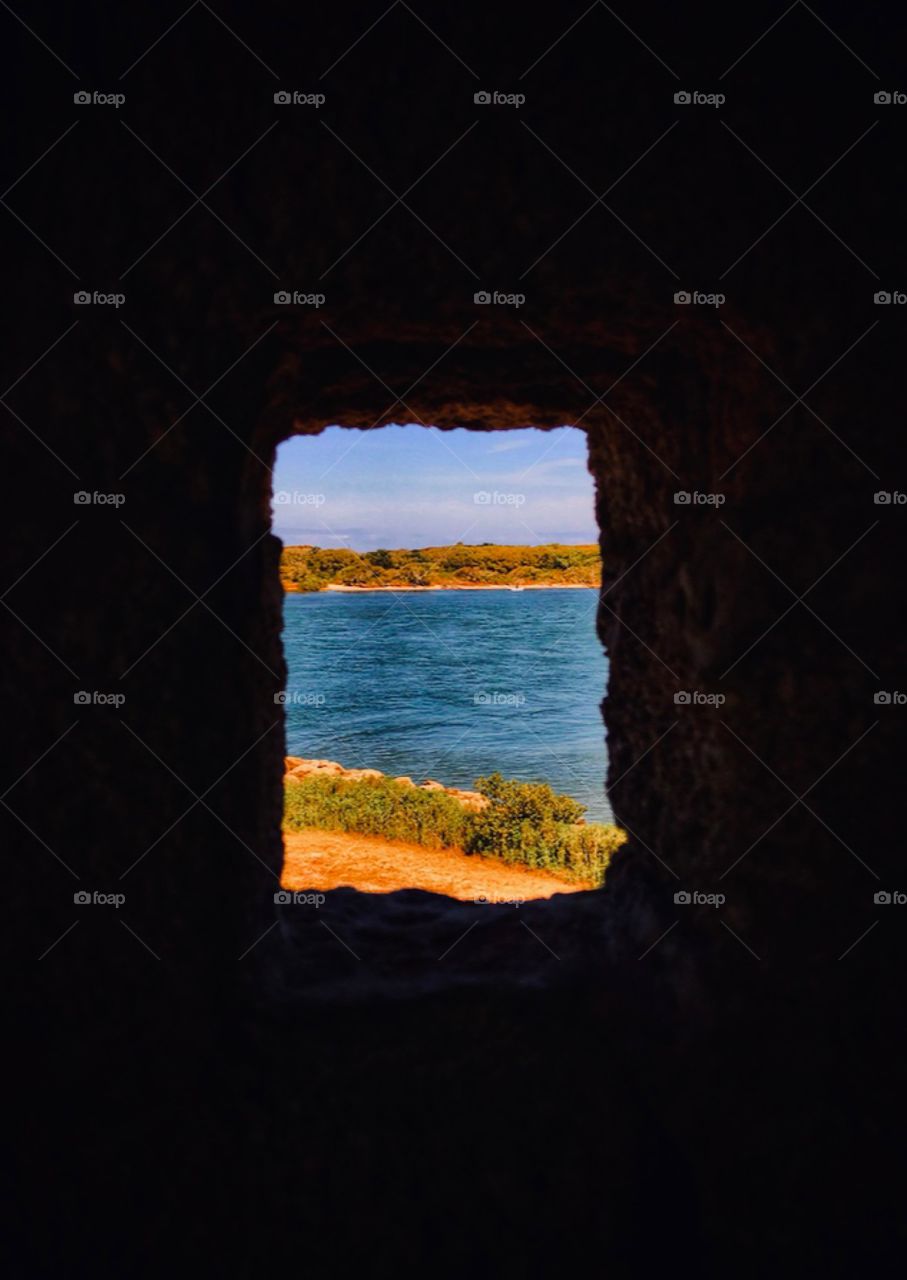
451 685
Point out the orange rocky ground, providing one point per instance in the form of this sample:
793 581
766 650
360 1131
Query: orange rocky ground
315 859
330 860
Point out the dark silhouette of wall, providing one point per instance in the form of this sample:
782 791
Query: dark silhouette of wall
201 1073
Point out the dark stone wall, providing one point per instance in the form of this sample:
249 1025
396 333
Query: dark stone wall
183 1084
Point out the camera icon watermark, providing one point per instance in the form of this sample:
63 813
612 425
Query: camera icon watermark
494 498
684 498
286 298
297 498
295 698
82 498
886 498
695 298
97 299
696 898
889 98
889 298
293 98
492 98
695 98
84 898
889 698
499 699
889 898
86 98
486 298
695 698
293 898
97 698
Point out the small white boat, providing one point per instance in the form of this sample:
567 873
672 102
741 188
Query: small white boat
514 588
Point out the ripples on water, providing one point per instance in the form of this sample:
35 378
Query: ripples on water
451 685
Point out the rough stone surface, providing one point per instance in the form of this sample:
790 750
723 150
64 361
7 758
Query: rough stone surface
679 1082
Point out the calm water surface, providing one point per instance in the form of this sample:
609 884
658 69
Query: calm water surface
451 685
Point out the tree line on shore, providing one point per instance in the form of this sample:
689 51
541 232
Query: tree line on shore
311 568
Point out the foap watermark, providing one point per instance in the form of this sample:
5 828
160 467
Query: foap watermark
889 898
696 898
293 898
486 900
97 698
295 698
288 298
295 98
494 98
297 498
893 499
94 98
494 298
889 298
684 498
97 299
94 898
889 698
889 98
696 98
695 698
82 498
695 298
494 498
498 698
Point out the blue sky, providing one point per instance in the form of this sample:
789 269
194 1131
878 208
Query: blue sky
412 486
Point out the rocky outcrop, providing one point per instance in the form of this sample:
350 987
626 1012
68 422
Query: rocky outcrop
295 767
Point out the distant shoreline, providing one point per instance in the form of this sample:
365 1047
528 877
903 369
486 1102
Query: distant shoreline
338 589
486 566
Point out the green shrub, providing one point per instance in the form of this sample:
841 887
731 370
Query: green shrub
589 849
309 582
529 824
375 806
381 558
525 823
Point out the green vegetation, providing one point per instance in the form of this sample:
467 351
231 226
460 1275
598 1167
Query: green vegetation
525 823
375 807
314 568
528 823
